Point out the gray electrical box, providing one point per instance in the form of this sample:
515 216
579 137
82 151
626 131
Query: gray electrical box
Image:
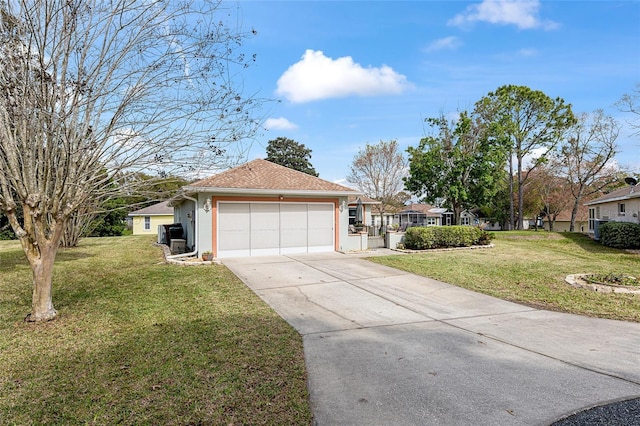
177 245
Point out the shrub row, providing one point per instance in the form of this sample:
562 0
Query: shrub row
620 235
422 238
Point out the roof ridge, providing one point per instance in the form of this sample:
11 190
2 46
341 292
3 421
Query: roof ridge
260 174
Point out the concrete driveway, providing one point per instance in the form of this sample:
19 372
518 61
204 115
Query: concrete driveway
386 347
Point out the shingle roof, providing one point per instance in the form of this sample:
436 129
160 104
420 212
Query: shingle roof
265 175
426 209
162 208
365 200
624 193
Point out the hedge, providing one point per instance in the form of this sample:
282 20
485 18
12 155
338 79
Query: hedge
422 238
621 235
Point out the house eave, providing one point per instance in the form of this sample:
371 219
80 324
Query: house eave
150 214
265 192
614 199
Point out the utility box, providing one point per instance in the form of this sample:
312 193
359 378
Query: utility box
596 228
177 245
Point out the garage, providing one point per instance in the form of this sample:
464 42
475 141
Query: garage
263 209
268 228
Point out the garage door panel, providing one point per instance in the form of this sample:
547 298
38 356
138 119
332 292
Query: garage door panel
234 236
265 228
293 228
320 233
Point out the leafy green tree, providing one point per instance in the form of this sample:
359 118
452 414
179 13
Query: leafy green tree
110 223
460 163
532 125
291 154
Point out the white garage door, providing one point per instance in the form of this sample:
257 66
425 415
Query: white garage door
260 229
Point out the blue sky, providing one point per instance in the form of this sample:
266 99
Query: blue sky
351 73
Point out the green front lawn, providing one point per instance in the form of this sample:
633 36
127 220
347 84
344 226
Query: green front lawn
529 267
141 342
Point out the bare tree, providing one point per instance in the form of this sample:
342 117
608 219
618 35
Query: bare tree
377 170
586 158
94 91
630 103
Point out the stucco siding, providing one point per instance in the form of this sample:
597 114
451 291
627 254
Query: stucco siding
609 211
564 225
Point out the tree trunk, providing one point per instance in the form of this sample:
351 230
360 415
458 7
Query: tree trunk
42 267
512 218
574 210
520 196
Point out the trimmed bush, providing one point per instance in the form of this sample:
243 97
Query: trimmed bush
620 235
423 238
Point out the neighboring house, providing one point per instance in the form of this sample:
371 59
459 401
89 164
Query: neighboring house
145 221
389 218
621 205
562 222
468 218
368 206
261 208
423 215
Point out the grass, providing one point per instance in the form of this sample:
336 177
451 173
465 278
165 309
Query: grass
529 267
141 342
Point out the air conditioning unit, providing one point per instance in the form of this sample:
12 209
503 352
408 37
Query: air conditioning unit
162 235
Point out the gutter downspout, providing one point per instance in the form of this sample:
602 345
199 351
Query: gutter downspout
195 237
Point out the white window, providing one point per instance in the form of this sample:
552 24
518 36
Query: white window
621 209
352 216
432 221
592 219
147 223
465 221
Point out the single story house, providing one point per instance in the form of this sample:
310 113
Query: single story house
389 218
469 218
562 222
262 208
146 221
621 205
423 215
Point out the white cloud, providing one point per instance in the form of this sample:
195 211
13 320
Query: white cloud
317 76
447 43
527 52
523 14
279 123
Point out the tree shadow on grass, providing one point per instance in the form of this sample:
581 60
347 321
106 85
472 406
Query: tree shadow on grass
590 245
10 259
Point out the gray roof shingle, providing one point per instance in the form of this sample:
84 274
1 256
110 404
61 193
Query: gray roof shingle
161 208
624 193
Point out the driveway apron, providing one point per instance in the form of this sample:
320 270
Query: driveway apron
386 347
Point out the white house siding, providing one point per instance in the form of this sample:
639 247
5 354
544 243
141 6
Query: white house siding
609 211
